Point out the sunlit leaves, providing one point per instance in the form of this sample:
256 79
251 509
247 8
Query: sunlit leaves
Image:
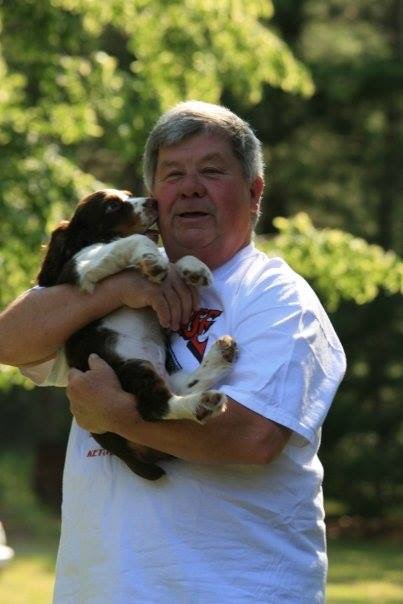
81 83
340 266
11 95
242 54
83 78
195 48
35 195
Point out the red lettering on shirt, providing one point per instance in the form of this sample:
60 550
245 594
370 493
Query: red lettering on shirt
98 453
199 324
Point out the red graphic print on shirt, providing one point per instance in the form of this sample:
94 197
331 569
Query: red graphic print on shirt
199 324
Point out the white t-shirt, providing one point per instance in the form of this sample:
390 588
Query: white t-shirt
233 534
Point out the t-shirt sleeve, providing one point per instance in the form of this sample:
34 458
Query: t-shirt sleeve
291 361
53 372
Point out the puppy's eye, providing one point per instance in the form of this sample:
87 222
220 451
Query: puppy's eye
112 206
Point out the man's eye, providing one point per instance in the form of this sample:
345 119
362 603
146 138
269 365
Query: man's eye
211 170
173 175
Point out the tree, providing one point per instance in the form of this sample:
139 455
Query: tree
82 82
337 157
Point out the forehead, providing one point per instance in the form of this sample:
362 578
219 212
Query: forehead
201 147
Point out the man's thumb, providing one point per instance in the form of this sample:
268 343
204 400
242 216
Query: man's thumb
95 362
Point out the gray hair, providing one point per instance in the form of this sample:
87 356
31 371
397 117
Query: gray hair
190 118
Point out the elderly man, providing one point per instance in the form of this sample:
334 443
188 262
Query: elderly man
239 517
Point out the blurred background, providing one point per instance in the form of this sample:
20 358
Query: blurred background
82 82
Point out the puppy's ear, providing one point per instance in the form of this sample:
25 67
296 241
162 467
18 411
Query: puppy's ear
57 254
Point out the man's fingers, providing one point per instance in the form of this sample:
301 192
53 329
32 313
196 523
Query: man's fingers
74 373
96 362
160 305
180 297
173 300
174 303
184 294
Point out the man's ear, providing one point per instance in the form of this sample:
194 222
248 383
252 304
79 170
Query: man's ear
256 190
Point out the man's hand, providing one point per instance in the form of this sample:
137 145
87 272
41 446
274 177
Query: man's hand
173 300
237 436
96 397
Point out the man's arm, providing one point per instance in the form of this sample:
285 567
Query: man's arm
237 436
38 323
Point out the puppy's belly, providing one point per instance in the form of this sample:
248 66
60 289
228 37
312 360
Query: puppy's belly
138 336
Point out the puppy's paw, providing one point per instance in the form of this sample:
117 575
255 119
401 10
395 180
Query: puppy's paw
153 266
87 282
211 404
194 272
227 348
221 355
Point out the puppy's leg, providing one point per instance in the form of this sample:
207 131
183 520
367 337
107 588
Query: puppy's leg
138 463
214 367
198 407
101 260
156 402
194 272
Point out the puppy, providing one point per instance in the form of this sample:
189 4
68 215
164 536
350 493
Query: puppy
108 232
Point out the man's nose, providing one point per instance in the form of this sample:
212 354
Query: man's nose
192 186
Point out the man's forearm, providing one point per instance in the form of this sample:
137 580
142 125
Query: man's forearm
236 437
38 323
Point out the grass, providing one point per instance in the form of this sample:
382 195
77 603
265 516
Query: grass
32 531
361 571
365 572
29 578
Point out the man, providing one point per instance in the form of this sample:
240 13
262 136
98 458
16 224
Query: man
239 516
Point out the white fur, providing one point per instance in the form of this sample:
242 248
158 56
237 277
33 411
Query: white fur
146 342
213 367
139 207
100 260
139 335
209 404
194 271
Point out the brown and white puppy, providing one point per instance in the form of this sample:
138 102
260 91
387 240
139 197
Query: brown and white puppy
106 234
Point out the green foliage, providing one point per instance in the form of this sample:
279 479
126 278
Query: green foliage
37 192
24 512
337 157
339 266
198 47
82 82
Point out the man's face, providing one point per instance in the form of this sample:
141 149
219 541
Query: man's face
204 203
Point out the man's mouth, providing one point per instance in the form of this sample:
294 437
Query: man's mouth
193 214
